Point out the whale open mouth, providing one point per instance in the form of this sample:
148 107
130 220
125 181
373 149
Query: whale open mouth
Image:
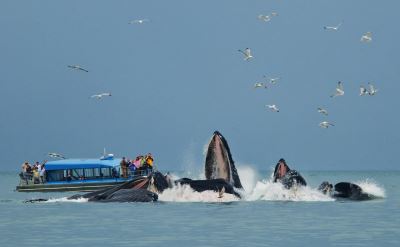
219 162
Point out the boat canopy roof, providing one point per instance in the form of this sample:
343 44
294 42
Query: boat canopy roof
82 164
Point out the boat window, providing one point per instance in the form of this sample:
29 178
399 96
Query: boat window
96 172
57 175
105 172
74 174
89 173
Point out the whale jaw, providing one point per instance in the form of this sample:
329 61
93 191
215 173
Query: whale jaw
219 162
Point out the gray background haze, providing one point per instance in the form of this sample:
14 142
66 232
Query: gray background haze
179 77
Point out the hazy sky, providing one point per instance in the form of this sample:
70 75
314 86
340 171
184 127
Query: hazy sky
179 77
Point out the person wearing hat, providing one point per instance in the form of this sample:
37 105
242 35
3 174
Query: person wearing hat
280 170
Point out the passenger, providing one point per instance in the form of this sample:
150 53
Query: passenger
137 162
37 164
280 170
132 167
36 176
124 167
24 166
149 160
28 168
148 164
114 172
69 176
23 174
42 173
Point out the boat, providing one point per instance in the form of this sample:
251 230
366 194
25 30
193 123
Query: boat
79 175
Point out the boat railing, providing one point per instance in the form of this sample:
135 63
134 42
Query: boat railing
138 173
27 178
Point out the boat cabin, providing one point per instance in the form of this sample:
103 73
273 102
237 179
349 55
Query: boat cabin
79 174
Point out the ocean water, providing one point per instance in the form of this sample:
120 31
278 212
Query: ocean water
267 215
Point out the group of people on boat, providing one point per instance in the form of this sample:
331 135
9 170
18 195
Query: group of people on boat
35 172
142 164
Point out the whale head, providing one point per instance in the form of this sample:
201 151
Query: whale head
219 162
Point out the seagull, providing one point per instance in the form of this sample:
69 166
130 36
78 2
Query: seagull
260 84
138 21
363 91
265 18
322 111
56 155
334 28
77 67
273 80
367 37
100 96
246 53
272 108
339 90
372 89
325 124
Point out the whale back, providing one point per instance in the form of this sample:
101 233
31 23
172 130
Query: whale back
219 162
350 191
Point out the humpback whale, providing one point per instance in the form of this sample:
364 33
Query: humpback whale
345 190
220 171
292 178
130 191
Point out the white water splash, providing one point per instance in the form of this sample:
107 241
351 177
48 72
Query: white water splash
248 177
254 190
184 193
268 191
372 188
65 199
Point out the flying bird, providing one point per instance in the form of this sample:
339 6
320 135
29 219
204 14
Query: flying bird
333 28
363 91
325 124
138 21
372 89
77 67
56 155
265 18
100 96
339 90
367 37
260 84
274 80
246 53
273 108
322 111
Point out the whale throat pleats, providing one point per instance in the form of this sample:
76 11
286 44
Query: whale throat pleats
219 162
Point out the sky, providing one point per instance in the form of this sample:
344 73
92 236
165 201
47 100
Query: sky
179 77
